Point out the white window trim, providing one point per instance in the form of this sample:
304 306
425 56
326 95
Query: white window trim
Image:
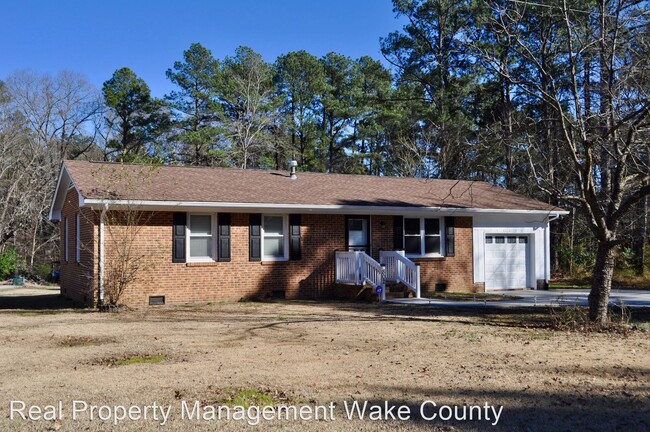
422 236
285 235
65 246
188 236
77 252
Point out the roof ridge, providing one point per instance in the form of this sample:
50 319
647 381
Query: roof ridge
262 170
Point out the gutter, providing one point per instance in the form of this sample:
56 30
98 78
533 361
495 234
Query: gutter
556 216
305 208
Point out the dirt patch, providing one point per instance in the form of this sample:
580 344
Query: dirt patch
317 353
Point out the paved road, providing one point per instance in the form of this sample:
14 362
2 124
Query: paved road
630 298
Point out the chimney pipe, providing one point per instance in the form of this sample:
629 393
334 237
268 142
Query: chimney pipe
292 169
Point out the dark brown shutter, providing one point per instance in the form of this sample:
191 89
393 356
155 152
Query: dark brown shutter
178 238
223 236
294 237
450 243
255 247
398 233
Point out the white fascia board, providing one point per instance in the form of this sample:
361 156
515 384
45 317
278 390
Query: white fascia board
62 185
304 208
52 216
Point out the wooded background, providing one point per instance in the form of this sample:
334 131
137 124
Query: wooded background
547 99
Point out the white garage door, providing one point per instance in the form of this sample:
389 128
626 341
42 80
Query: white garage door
506 261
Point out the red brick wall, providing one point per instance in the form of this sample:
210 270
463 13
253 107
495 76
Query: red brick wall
456 272
310 277
381 233
78 278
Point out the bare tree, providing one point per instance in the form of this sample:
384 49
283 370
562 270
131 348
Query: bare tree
249 106
57 109
124 258
43 120
596 89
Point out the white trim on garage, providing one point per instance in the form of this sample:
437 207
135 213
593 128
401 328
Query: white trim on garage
535 228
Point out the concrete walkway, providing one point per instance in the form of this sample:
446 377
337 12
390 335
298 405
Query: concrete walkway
570 297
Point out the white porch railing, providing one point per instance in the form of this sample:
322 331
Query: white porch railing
347 268
359 268
401 269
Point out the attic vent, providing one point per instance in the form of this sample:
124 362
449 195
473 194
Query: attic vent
292 169
156 300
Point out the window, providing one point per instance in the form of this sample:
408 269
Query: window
65 242
523 239
488 239
78 238
274 238
422 236
512 239
358 234
200 237
499 239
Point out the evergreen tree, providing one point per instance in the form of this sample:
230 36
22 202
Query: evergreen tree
134 116
300 80
196 106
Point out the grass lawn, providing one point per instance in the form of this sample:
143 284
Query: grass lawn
306 353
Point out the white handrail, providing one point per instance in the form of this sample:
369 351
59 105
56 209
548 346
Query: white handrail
372 272
401 269
358 268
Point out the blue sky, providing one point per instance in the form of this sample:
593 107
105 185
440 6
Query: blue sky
97 37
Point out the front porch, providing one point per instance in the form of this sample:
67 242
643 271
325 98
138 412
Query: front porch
360 269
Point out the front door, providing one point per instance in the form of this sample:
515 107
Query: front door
358 233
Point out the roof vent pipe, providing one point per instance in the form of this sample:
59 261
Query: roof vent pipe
292 169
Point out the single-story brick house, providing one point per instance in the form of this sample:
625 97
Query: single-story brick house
224 234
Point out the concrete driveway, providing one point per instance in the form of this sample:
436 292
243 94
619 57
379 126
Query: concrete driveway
572 297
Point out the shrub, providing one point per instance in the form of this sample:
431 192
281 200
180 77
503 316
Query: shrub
42 272
8 263
626 259
581 260
576 318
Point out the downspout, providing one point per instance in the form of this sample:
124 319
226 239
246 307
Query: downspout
101 255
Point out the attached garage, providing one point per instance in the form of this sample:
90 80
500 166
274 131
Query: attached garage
507 259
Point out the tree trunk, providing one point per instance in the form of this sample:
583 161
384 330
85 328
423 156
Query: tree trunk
601 284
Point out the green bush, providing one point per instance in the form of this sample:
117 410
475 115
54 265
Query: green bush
8 263
583 259
43 271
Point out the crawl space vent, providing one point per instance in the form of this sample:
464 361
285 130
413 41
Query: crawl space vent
156 300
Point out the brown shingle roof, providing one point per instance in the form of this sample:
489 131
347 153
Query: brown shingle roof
228 185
